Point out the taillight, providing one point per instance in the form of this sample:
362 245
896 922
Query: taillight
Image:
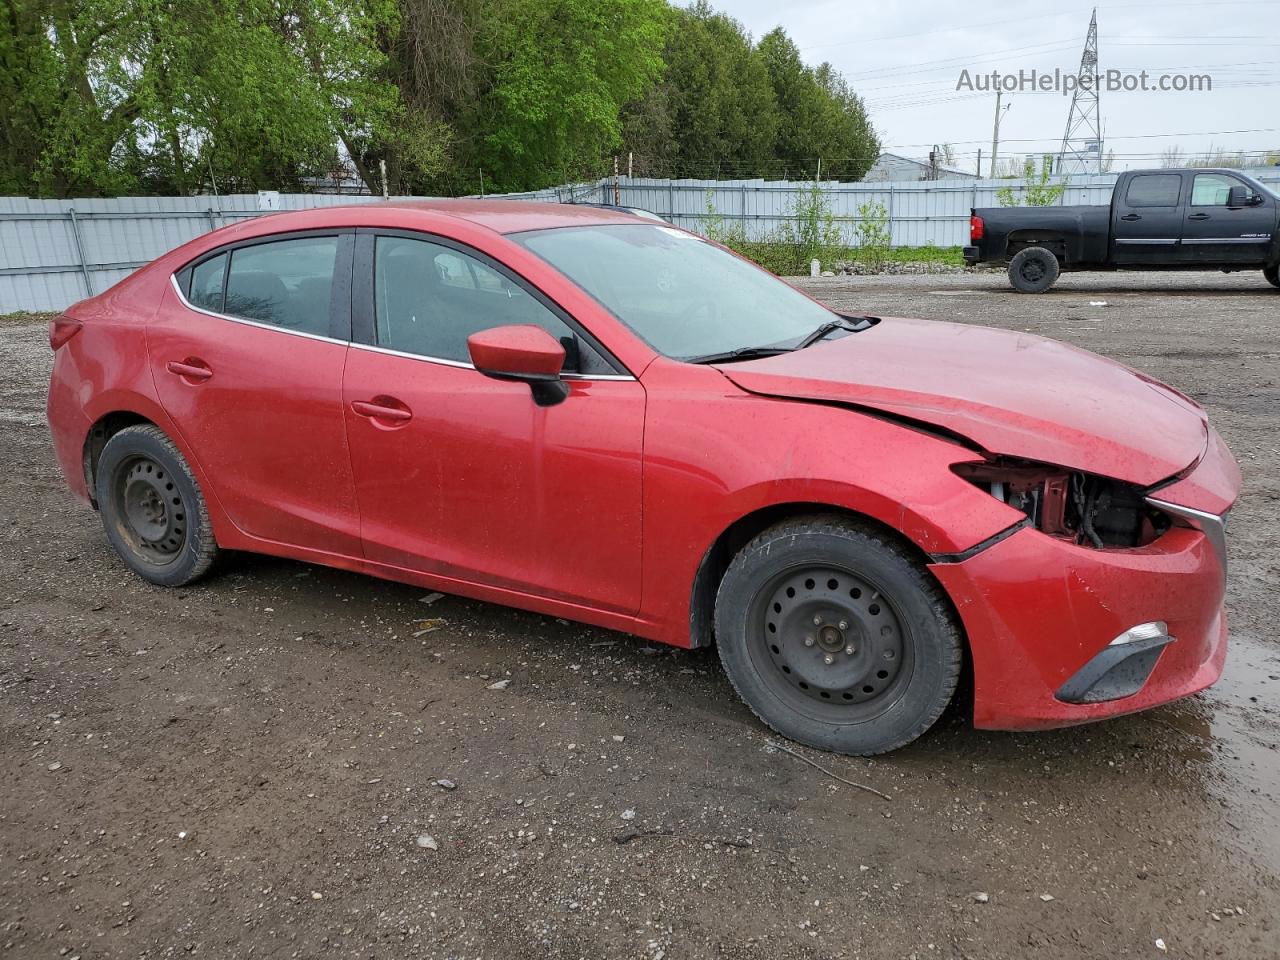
975 228
62 329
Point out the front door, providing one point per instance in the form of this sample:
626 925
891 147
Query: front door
247 352
464 476
1147 220
1217 233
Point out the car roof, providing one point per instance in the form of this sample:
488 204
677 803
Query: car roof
506 216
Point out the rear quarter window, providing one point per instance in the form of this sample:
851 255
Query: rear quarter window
206 283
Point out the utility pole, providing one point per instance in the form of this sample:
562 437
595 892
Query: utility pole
979 170
995 131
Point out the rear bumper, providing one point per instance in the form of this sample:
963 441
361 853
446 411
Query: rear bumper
971 255
68 423
1040 611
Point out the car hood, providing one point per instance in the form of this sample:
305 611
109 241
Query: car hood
1010 393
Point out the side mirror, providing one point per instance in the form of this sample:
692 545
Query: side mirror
525 353
1242 197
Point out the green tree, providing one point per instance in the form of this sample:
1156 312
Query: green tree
713 113
109 96
1038 190
821 115
555 77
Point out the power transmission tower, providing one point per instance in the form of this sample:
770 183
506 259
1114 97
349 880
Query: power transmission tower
1081 150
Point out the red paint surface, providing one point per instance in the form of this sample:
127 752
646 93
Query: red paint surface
603 507
1013 393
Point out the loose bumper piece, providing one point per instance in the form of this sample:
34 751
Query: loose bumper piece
1121 668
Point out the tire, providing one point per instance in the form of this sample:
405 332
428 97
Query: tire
879 669
1272 274
152 511
1033 270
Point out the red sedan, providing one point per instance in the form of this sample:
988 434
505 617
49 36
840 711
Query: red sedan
588 414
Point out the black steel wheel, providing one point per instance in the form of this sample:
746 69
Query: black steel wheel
152 510
155 519
1033 270
836 637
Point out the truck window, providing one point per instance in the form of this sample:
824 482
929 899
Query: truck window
1211 189
1154 190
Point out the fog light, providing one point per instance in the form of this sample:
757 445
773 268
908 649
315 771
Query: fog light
1143 631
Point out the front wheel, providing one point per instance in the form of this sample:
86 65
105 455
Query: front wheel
1272 274
836 637
152 510
1033 270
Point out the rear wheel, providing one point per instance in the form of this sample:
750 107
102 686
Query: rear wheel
152 511
1033 270
1273 275
836 637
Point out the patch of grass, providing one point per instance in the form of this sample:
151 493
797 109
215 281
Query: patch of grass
790 260
24 317
947 255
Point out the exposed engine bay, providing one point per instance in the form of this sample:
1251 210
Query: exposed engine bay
1085 509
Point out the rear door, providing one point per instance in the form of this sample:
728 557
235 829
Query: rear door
247 354
464 476
1147 219
1217 233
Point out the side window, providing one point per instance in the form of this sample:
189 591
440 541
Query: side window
206 283
285 283
1154 190
1211 189
428 298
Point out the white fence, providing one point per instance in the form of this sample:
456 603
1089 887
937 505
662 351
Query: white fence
55 252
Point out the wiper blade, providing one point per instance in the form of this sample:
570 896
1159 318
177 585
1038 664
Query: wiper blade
828 328
742 353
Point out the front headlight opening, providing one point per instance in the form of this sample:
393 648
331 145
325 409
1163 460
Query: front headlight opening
1080 507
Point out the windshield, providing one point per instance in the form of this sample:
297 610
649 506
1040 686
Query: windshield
683 296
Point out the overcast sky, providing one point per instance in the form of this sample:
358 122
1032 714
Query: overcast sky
905 60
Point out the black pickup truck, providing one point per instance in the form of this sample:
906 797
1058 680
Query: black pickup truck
1197 219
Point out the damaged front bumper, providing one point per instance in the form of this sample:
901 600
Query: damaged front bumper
1039 611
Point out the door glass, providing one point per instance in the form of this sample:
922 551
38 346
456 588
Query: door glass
1211 189
284 283
428 298
1154 190
206 284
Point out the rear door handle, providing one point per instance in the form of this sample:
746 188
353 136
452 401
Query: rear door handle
1198 216
1132 216
189 369
380 408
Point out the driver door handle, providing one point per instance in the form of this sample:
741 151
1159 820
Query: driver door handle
1198 216
1132 216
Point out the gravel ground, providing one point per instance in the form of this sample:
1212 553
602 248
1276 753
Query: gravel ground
271 763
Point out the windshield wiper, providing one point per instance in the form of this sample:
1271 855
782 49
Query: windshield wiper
828 328
848 324
742 353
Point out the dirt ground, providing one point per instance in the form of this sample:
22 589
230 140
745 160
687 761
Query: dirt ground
256 766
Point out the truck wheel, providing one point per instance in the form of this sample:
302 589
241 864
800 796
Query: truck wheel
1273 275
836 637
1033 270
